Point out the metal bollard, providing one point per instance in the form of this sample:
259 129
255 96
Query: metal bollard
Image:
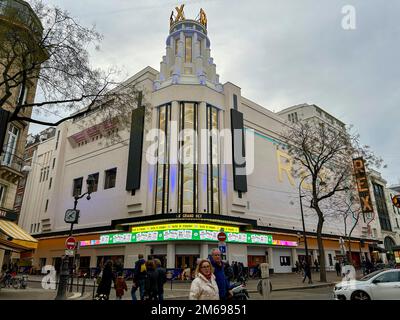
94 286
83 284
77 284
72 283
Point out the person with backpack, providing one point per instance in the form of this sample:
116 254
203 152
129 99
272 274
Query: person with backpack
139 277
151 281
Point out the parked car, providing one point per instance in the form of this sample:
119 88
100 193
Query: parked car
379 285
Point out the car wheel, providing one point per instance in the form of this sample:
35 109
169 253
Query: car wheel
360 295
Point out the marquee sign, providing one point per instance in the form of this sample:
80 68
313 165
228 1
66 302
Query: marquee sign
186 226
185 234
362 185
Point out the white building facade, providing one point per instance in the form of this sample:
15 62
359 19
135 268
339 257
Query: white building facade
172 209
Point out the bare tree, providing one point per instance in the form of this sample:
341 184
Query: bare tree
324 155
50 48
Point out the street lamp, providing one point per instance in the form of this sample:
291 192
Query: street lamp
71 217
302 219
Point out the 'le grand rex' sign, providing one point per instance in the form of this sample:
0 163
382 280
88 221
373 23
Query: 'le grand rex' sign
362 185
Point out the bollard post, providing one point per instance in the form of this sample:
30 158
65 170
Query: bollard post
77 284
266 292
83 284
94 286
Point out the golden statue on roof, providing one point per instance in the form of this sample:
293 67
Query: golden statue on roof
203 18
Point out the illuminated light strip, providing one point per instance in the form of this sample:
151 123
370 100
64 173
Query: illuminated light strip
185 234
186 226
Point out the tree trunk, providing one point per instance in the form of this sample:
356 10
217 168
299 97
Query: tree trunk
350 257
322 270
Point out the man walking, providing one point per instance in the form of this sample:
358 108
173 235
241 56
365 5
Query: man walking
223 285
307 273
139 275
161 279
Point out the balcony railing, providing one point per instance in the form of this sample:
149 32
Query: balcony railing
22 12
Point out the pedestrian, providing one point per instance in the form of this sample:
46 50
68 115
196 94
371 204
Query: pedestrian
120 286
204 286
151 281
107 278
316 265
139 277
363 267
228 272
337 268
307 273
161 279
217 264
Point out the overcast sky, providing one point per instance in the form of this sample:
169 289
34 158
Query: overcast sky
280 53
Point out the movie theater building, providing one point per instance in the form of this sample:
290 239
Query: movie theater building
171 209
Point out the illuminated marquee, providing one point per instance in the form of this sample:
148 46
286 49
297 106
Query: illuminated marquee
185 234
184 226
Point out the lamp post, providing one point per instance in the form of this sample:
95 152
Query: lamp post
302 219
65 271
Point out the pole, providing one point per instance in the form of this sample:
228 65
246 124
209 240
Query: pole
302 220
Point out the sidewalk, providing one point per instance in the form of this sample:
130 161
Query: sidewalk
180 289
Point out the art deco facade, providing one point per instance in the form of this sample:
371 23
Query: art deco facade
174 209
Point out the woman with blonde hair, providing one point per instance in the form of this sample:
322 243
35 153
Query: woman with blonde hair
204 286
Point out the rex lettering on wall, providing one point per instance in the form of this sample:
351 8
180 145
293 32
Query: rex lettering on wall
362 185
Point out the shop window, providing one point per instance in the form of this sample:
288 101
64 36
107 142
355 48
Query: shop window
284 261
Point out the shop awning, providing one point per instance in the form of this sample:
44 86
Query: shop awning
8 245
19 236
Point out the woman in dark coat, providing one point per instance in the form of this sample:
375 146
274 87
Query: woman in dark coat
106 280
151 282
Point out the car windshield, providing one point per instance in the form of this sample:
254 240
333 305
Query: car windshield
372 274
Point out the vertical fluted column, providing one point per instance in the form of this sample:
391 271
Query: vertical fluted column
202 158
173 149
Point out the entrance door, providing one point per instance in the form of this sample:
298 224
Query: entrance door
186 261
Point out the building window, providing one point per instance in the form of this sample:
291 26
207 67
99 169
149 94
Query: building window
213 205
47 173
51 180
95 176
58 137
330 259
188 49
397 223
3 190
11 145
20 95
47 205
187 191
383 213
54 163
162 191
77 188
110 177
176 46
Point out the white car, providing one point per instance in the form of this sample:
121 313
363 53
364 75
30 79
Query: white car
379 285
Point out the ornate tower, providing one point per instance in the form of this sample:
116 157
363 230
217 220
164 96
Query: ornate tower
188 59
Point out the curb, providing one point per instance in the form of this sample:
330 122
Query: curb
329 284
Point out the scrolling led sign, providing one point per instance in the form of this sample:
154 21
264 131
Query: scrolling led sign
362 185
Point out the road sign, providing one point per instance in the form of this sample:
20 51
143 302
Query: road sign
69 253
222 248
221 237
70 243
396 201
